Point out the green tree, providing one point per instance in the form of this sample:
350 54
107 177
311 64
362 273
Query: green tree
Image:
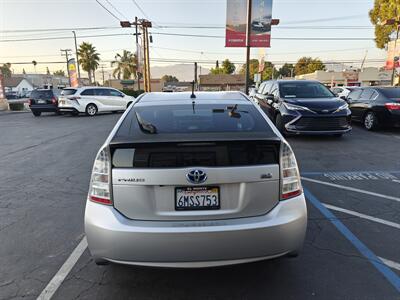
59 73
384 10
47 71
23 71
227 67
126 65
268 73
306 65
169 78
6 70
286 70
89 59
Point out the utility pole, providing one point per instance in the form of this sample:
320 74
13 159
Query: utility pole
144 24
195 75
248 38
77 58
102 72
137 53
66 53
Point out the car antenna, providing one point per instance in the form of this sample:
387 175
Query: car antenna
193 96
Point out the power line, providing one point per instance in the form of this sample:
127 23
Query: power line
108 10
141 10
118 11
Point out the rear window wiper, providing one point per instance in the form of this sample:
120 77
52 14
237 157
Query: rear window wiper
145 126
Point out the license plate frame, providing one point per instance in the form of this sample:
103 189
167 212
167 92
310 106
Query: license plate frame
212 190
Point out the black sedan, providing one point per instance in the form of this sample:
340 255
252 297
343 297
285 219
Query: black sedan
304 107
375 107
42 100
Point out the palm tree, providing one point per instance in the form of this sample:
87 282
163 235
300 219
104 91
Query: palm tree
126 65
89 59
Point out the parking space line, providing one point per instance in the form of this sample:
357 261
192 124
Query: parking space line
362 216
62 273
390 263
392 277
343 187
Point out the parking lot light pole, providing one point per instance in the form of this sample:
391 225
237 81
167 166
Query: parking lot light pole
248 39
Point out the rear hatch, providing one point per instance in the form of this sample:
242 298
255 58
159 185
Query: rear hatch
67 97
195 180
42 97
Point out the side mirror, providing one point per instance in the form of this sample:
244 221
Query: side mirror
343 98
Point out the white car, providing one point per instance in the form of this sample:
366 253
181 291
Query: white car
92 100
343 91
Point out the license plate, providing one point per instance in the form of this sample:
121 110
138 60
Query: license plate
41 101
197 198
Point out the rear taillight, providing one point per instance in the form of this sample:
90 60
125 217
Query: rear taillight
74 98
100 183
30 101
290 175
392 106
54 100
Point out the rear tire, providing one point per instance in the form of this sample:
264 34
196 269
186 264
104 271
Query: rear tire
280 125
37 113
370 121
101 262
91 110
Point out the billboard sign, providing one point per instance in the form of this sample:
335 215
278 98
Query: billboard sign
236 23
73 77
392 53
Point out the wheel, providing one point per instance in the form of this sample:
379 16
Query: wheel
101 262
36 113
58 113
280 125
370 121
91 109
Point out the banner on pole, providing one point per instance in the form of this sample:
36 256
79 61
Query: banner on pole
393 51
236 23
73 76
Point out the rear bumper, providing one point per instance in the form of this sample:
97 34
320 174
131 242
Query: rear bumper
68 109
44 108
113 237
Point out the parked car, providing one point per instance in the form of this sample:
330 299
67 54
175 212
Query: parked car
92 100
11 95
343 91
43 100
375 107
304 107
180 181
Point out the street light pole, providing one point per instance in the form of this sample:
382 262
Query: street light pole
77 59
248 39
137 53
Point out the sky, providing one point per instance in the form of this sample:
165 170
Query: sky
328 18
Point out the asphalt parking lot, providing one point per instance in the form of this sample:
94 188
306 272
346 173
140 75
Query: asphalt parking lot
352 248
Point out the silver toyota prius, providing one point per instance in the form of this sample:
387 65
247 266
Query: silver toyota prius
194 180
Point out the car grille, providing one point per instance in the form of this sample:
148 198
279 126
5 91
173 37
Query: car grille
322 124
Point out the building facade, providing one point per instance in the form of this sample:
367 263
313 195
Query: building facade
18 86
222 82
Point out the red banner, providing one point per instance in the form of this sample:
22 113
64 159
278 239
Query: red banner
393 50
236 23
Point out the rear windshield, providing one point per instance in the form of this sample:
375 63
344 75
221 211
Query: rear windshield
42 94
190 118
68 92
391 93
304 90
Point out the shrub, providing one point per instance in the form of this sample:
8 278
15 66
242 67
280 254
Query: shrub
132 92
16 106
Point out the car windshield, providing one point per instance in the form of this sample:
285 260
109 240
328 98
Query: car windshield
304 90
391 92
200 118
